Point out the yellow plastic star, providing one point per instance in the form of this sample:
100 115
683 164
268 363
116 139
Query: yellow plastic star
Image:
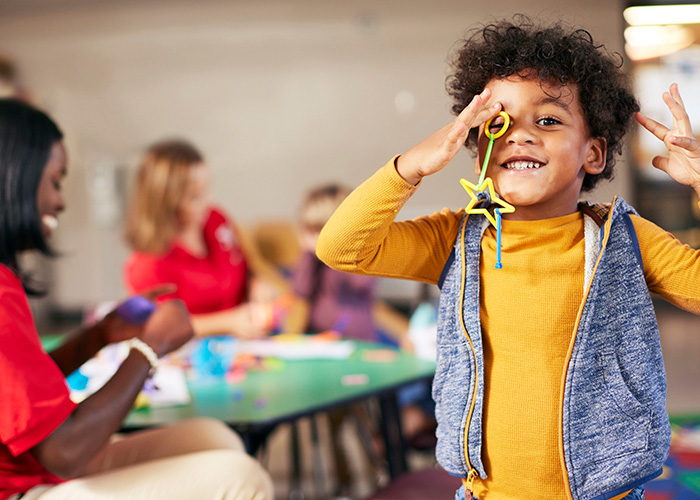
471 189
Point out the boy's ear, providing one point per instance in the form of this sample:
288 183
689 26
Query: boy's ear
594 162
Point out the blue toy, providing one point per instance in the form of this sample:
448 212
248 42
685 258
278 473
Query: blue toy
135 310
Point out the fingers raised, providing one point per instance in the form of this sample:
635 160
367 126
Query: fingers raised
675 105
457 134
688 143
660 162
675 93
477 112
652 126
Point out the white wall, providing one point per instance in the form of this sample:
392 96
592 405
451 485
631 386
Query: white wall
280 96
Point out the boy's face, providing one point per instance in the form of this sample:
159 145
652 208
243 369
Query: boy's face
538 165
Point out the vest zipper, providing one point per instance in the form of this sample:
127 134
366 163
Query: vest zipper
603 244
468 483
473 474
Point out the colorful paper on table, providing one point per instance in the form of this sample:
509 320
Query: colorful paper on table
298 348
166 388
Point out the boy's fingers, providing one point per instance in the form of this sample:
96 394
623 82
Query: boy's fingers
687 143
468 114
680 117
476 112
652 126
675 93
457 133
660 162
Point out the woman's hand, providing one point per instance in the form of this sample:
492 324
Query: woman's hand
250 320
69 448
112 328
168 328
683 160
262 289
434 153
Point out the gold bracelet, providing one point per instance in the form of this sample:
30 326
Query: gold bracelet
148 353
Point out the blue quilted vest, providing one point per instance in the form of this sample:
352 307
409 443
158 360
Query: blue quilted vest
615 430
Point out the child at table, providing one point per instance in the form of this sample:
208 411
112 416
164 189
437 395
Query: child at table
330 300
549 381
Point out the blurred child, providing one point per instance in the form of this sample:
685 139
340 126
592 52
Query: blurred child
330 300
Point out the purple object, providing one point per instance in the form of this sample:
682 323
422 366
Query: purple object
136 310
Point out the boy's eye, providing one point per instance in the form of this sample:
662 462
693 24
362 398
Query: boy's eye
548 121
496 125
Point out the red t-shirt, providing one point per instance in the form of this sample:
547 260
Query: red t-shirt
34 398
205 284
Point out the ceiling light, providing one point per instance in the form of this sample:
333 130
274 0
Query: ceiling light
649 42
662 14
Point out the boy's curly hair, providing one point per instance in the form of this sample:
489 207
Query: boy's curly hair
553 54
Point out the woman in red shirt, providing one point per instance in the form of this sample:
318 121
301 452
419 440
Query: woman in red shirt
179 237
50 447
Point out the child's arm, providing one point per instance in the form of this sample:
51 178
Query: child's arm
362 237
683 160
672 269
67 450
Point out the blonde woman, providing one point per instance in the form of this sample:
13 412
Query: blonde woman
178 236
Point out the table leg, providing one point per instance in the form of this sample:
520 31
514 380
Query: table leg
295 490
254 439
318 459
392 434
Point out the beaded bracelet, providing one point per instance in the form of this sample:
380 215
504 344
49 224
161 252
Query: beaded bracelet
147 351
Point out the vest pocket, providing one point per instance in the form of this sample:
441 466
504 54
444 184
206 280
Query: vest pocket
624 421
452 388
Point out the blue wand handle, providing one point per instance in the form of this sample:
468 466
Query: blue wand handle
498 239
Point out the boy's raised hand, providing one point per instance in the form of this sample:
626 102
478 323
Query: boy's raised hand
683 160
436 151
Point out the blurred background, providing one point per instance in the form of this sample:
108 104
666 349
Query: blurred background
282 95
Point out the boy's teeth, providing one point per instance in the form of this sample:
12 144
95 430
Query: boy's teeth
522 165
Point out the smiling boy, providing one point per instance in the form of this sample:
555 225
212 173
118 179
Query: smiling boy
549 380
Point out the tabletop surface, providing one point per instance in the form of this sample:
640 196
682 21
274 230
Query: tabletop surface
295 388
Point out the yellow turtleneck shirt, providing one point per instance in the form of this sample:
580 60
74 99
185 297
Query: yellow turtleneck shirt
527 317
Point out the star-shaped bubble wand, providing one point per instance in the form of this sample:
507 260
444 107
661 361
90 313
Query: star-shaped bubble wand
486 183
